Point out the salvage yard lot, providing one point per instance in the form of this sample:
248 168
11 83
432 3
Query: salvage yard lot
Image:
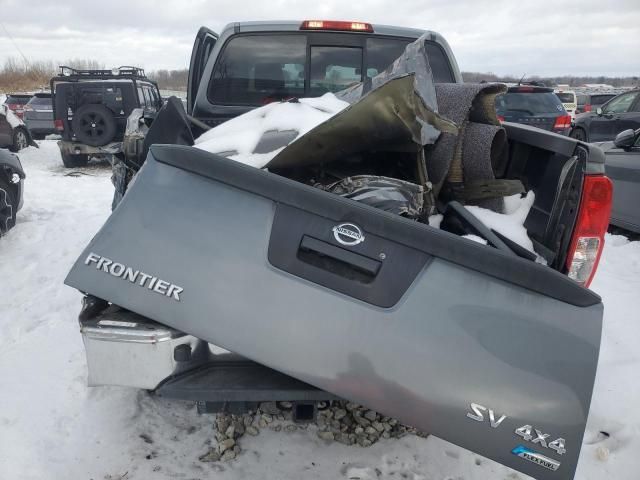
52 426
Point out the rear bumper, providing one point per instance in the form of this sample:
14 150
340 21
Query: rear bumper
75 148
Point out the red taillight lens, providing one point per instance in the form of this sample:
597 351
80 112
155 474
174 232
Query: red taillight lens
587 108
588 236
336 25
58 125
562 122
500 118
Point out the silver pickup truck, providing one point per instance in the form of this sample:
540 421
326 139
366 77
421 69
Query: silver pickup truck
320 296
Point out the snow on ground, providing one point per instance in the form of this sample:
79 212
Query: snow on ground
52 426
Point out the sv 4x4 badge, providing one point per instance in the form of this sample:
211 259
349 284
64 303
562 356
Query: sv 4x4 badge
527 432
535 457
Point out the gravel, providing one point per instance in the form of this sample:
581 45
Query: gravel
343 422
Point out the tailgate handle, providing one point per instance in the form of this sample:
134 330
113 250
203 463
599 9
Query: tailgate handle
329 257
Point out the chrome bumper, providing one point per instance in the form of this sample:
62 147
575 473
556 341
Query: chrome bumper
130 350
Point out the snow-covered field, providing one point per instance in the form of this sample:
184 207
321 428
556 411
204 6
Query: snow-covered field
53 427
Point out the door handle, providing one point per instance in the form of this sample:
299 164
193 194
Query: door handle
311 249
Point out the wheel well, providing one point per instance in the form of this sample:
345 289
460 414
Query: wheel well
5 176
584 131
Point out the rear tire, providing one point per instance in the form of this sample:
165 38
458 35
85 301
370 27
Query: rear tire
578 134
72 160
8 207
94 125
20 139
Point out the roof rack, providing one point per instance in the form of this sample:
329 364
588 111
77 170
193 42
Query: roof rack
124 71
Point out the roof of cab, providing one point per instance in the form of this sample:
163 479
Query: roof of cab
388 30
294 25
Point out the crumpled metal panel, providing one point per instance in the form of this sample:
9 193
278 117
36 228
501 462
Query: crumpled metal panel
385 119
389 194
414 60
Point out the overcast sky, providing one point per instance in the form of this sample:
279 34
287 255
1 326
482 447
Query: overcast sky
585 37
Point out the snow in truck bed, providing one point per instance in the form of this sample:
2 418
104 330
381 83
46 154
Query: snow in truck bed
52 426
242 134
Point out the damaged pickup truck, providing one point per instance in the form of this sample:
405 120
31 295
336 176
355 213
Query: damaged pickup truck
371 233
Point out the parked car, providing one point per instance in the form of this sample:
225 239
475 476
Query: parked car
569 101
587 102
13 132
276 269
622 165
535 106
38 115
11 187
90 109
620 113
16 102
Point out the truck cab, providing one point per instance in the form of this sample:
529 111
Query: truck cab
253 63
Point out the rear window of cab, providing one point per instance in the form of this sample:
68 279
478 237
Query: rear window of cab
17 99
566 97
258 69
528 103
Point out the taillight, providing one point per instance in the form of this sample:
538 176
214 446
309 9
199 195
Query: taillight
58 125
500 118
587 108
562 122
336 25
588 236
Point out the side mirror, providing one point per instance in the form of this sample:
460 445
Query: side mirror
625 139
150 112
599 111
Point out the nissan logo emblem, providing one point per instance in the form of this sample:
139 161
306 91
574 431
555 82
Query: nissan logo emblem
348 234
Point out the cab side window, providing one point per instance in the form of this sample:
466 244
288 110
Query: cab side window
620 104
141 97
153 95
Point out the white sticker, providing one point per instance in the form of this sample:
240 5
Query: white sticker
116 323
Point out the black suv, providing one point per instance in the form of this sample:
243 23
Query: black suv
533 105
90 109
618 114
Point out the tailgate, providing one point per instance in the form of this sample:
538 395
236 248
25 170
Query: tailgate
39 114
453 337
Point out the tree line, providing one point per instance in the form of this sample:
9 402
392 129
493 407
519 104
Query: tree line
19 75
571 80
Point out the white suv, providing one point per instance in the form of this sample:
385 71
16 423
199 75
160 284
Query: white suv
569 101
